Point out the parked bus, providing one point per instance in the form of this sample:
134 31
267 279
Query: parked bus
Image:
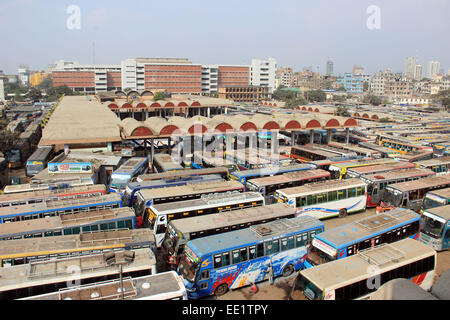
160 286
377 183
436 198
212 265
23 251
348 278
439 165
435 230
339 170
402 145
414 156
410 194
159 215
38 160
70 223
180 231
39 280
182 174
325 164
268 185
247 161
132 168
29 187
21 198
165 163
354 148
130 192
59 207
371 231
326 199
276 159
202 160
378 169
308 153
244 175
19 153
385 152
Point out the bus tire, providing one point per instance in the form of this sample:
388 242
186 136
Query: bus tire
221 290
287 271
342 213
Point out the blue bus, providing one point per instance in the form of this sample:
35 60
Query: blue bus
244 175
130 192
132 168
214 264
371 231
59 207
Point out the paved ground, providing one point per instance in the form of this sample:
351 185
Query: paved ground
281 288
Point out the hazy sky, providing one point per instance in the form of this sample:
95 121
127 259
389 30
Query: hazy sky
297 33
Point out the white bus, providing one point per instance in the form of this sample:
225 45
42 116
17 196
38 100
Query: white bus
160 286
326 198
159 215
360 275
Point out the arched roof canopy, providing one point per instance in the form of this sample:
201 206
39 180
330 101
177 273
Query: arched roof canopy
248 126
350 123
113 105
131 92
196 104
125 105
141 132
146 93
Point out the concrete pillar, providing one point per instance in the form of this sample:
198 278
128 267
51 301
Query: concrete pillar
328 139
209 111
347 135
152 152
293 138
274 147
311 136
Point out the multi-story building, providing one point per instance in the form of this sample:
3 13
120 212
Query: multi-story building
329 68
353 84
418 72
410 65
284 77
399 87
2 86
433 69
306 80
249 93
263 73
36 77
357 70
24 75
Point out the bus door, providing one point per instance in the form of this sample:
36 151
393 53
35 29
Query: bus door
446 240
204 276
160 229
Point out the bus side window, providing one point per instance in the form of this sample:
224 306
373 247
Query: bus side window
235 257
204 275
359 191
351 192
312 234
251 252
332 195
260 250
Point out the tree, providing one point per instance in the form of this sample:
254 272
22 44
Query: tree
159 96
7 140
292 103
316 96
46 83
342 111
384 119
283 95
372 99
34 94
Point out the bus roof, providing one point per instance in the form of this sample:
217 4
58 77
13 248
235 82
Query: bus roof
358 267
182 173
351 147
434 161
316 150
256 233
215 161
59 203
398 174
47 192
136 288
223 219
434 181
224 199
130 165
361 229
401 289
54 271
382 167
169 182
363 162
443 193
272 170
191 188
72 242
321 186
69 219
166 162
443 211
289 177
41 153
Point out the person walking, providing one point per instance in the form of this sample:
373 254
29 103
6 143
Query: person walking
270 271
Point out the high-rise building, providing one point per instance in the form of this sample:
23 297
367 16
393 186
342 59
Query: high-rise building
410 65
24 75
263 73
418 72
329 67
433 69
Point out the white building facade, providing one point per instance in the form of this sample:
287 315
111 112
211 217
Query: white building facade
263 73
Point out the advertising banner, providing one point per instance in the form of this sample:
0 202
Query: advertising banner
78 167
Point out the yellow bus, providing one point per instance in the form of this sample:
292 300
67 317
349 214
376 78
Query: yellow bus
339 170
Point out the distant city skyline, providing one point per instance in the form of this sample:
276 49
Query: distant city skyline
232 32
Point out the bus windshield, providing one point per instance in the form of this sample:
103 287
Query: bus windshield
432 227
393 197
431 203
316 256
308 288
139 204
120 180
188 265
